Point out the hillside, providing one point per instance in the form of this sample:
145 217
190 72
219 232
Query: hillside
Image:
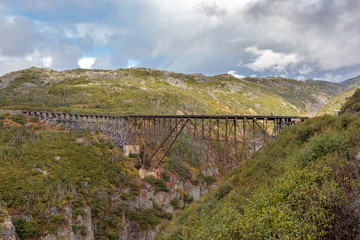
148 91
335 103
56 184
304 185
352 104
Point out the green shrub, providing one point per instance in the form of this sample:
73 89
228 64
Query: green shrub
78 211
224 189
18 118
2 216
26 229
4 115
179 167
195 182
187 198
125 195
323 145
209 179
175 203
37 127
166 177
145 218
79 228
343 121
33 119
58 219
160 184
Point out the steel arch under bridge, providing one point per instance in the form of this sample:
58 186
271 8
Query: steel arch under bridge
223 141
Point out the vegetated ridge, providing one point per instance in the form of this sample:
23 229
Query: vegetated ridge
149 91
352 104
304 185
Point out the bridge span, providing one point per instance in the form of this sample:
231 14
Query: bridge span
224 141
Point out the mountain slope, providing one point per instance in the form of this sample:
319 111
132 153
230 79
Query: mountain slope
352 104
148 91
303 186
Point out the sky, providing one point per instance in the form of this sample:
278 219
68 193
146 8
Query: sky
300 39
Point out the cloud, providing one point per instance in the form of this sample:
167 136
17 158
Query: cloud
99 33
211 8
269 60
86 62
305 69
331 77
309 38
233 73
103 62
19 36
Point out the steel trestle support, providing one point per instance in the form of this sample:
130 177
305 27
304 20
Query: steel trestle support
223 141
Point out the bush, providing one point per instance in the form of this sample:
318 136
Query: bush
166 177
195 182
58 219
175 203
33 119
26 229
224 190
160 184
209 179
343 121
145 218
4 115
18 118
187 198
79 228
323 145
78 211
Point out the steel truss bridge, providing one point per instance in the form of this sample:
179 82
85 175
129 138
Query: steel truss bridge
223 141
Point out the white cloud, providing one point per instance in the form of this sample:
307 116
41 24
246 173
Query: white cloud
233 73
305 69
39 59
132 63
100 33
86 62
300 78
331 77
269 60
13 63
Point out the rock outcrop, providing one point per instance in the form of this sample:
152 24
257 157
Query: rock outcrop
7 228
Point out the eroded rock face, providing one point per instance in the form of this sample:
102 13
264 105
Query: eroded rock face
65 231
7 228
126 229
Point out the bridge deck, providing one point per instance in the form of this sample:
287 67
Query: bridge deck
259 117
